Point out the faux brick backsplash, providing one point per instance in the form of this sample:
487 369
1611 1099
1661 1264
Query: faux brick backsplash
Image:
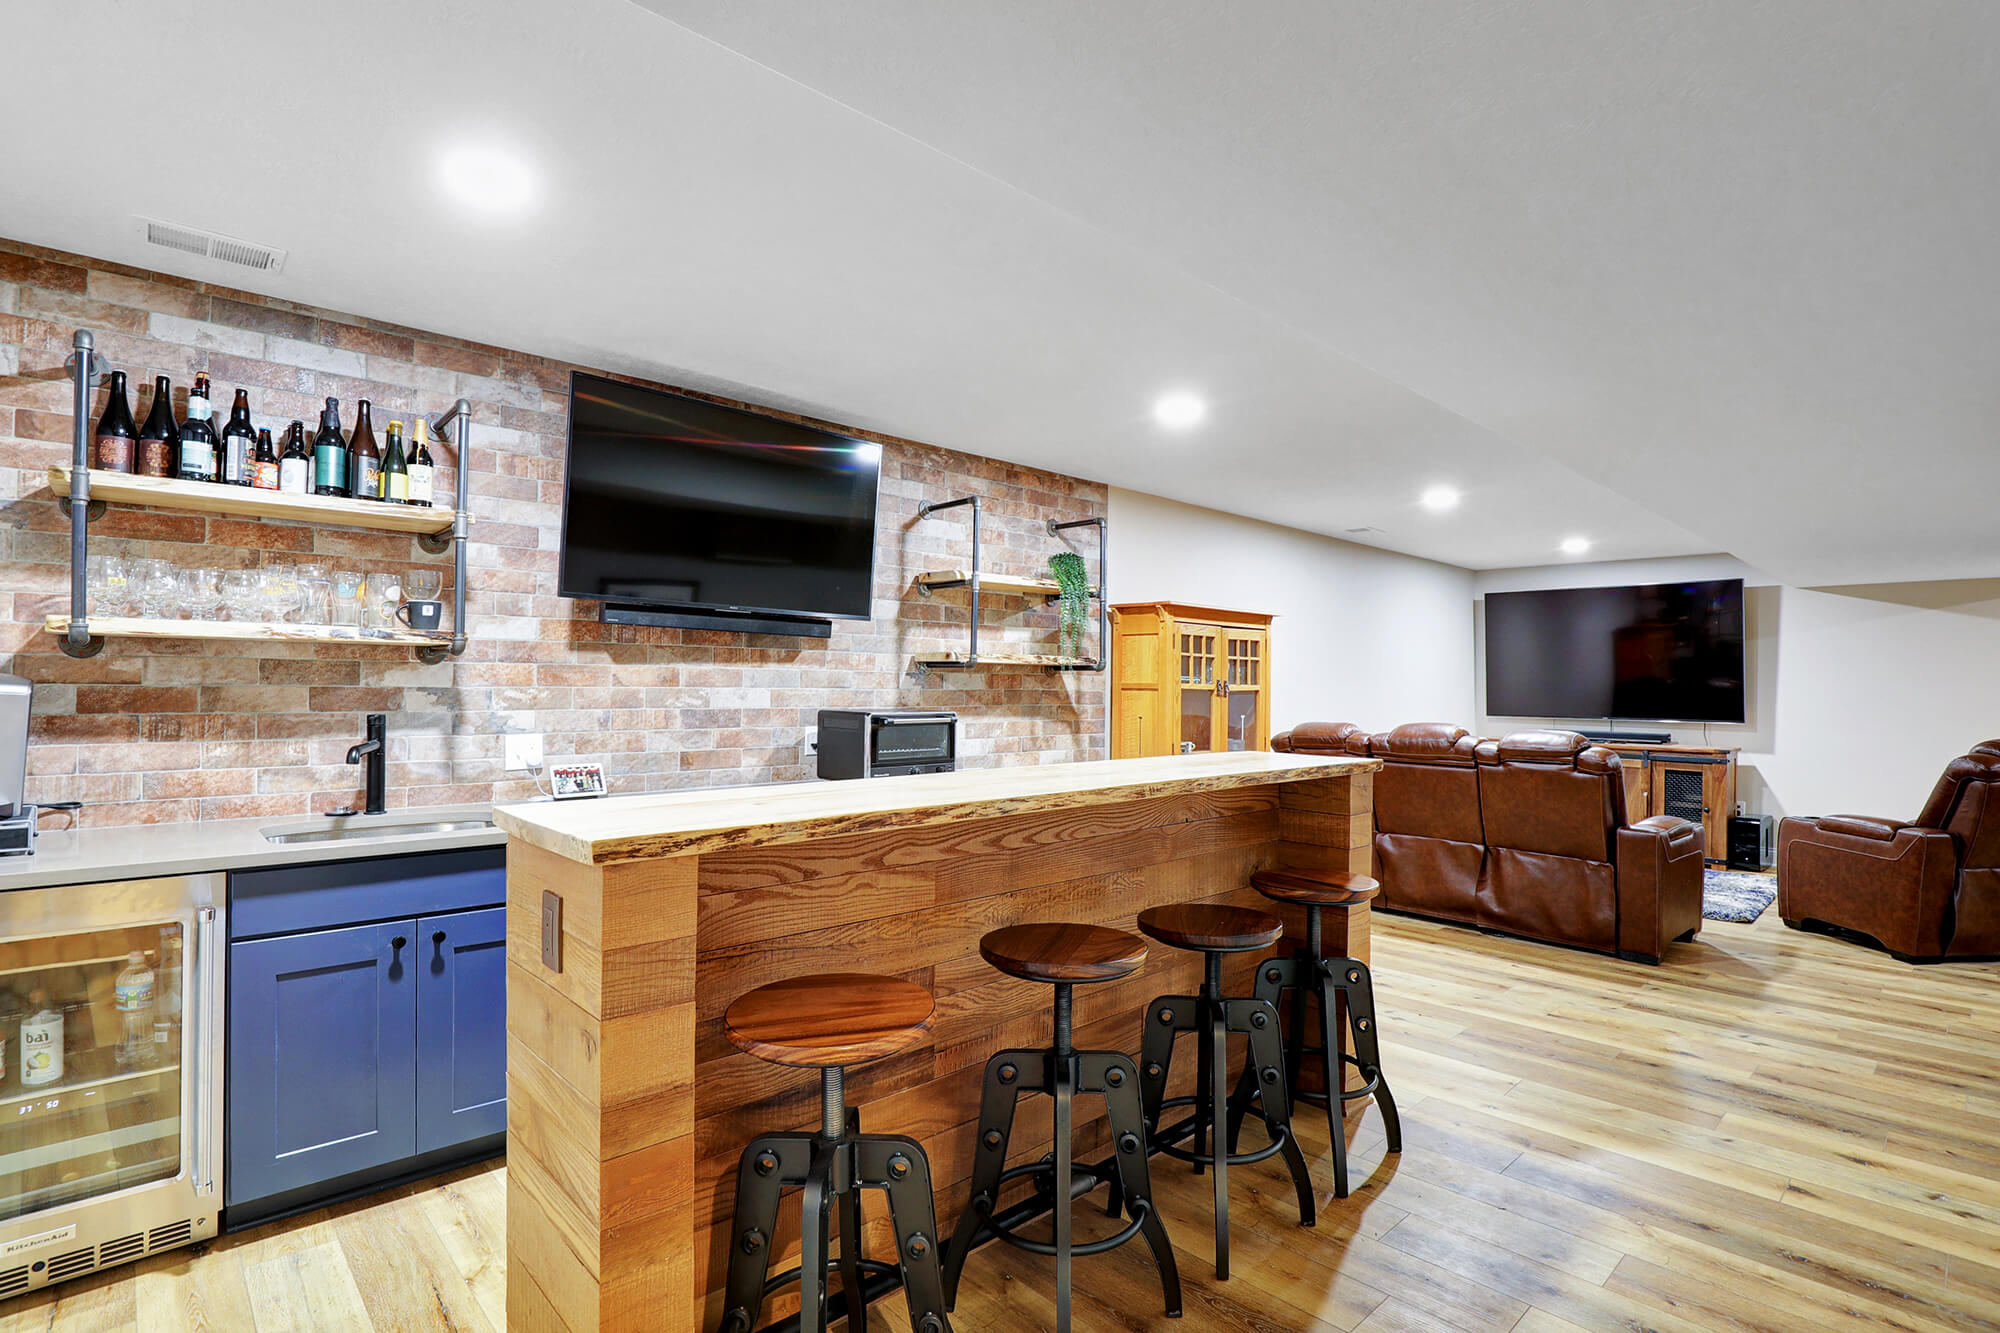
158 730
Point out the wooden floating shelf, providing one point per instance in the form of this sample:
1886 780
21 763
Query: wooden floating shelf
204 497
127 627
937 579
959 659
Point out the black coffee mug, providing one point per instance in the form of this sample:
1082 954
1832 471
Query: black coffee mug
421 615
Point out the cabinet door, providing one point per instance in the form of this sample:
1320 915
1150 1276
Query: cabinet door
461 1027
321 1056
1244 701
1199 646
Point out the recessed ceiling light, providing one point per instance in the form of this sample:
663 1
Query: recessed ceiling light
487 180
1178 411
1441 499
1575 545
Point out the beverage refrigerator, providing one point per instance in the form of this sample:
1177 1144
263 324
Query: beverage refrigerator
110 1074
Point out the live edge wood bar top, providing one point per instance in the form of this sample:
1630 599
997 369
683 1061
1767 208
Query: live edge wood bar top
628 1102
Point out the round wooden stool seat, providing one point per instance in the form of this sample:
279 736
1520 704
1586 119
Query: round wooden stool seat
838 1019
1211 927
1063 952
1314 888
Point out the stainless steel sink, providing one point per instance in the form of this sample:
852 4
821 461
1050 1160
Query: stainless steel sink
332 832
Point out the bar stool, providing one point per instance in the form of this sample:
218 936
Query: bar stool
1064 956
1213 930
1338 984
831 1023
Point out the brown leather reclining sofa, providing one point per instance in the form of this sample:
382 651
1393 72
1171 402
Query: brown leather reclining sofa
1525 835
1927 890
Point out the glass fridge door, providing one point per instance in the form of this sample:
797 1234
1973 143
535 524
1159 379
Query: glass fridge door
91 1055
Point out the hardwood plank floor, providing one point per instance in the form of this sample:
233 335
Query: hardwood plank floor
1771 1133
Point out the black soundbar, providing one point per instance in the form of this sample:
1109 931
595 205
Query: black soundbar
737 622
1626 737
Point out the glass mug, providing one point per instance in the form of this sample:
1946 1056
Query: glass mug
381 593
347 598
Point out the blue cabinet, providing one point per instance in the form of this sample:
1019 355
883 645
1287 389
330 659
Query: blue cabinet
322 1057
360 1053
461 1028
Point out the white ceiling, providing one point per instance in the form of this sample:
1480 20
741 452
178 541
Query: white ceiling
1682 277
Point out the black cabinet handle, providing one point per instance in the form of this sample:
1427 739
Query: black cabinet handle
437 937
398 942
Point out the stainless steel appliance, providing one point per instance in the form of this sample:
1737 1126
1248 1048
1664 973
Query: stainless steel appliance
886 742
110 1129
17 817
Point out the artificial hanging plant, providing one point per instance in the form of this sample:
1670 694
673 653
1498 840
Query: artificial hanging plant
1072 601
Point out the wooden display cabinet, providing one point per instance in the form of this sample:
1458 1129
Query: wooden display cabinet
1189 680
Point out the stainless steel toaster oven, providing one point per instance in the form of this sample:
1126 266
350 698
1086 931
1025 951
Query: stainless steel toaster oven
886 742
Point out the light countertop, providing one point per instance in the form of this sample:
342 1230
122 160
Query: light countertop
95 855
628 828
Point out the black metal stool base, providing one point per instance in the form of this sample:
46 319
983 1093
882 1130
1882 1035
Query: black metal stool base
1062 1073
1337 984
1214 1018
833 1167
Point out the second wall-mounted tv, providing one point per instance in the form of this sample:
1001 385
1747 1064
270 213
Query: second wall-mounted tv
1656 652
675 502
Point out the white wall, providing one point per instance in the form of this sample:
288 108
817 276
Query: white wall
1362 635
1858 695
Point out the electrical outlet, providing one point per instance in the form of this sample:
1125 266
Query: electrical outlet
812 740
524 751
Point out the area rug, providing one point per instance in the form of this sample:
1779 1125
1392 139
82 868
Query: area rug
1736 895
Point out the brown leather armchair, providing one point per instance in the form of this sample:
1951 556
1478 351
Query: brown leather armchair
1561 862
1428 848
1926 890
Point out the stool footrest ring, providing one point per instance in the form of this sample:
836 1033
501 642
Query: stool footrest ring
1140 1209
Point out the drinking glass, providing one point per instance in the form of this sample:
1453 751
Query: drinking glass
423 585
347 588
200 592
279 589
156 586
109 578
242 594
380 597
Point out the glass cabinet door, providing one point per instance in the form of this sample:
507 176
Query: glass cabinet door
1245 688
1199 732
90 1063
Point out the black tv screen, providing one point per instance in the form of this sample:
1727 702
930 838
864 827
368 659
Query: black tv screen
671 501
1658 652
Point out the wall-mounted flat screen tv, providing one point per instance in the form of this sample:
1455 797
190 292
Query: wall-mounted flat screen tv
674 502
1657 652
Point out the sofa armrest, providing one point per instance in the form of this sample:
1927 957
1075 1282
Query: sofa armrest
1660 866
1862 826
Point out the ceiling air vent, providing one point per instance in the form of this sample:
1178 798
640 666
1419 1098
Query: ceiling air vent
1358 532
212 245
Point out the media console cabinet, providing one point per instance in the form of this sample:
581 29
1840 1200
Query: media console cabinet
1694 782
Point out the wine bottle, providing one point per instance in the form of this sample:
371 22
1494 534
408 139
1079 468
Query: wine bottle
295 465
264 462
364 459
395 468
160 437
330 453
117 434
198 444
239 443
423 476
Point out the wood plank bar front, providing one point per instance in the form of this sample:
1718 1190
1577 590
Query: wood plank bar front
627 1107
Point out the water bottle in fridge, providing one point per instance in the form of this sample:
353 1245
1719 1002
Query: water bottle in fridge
134 994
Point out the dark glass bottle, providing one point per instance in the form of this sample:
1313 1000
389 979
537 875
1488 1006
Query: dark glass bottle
198 443
117 433
395 468
160 438
330 453
264 462
239 443
295 464
364 458
422 472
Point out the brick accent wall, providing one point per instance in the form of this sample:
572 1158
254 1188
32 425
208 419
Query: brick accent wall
159 730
